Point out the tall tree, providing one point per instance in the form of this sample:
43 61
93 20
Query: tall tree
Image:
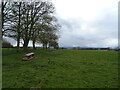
15 20
5 11
29 20
37 10
47 9
19 27
47 35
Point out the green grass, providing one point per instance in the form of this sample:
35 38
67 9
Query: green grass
61 69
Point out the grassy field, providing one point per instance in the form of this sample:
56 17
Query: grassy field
61 69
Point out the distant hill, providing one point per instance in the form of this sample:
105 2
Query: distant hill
83 48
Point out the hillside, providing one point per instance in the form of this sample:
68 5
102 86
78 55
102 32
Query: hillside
61 69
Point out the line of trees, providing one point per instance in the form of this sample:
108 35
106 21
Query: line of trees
30 21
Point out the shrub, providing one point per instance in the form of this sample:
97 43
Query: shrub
6 44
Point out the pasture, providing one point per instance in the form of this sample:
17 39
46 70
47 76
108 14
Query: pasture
60 69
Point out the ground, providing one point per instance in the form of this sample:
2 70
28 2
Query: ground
61 69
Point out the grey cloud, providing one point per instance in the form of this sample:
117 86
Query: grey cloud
108 25
71 32
105 27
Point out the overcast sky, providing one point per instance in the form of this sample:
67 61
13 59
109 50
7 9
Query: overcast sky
92 23
88 22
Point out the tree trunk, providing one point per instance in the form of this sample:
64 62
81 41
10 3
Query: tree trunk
25 45
34 44
18 42
45 46
18 38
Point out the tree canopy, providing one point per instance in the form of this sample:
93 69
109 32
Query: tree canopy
30 21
